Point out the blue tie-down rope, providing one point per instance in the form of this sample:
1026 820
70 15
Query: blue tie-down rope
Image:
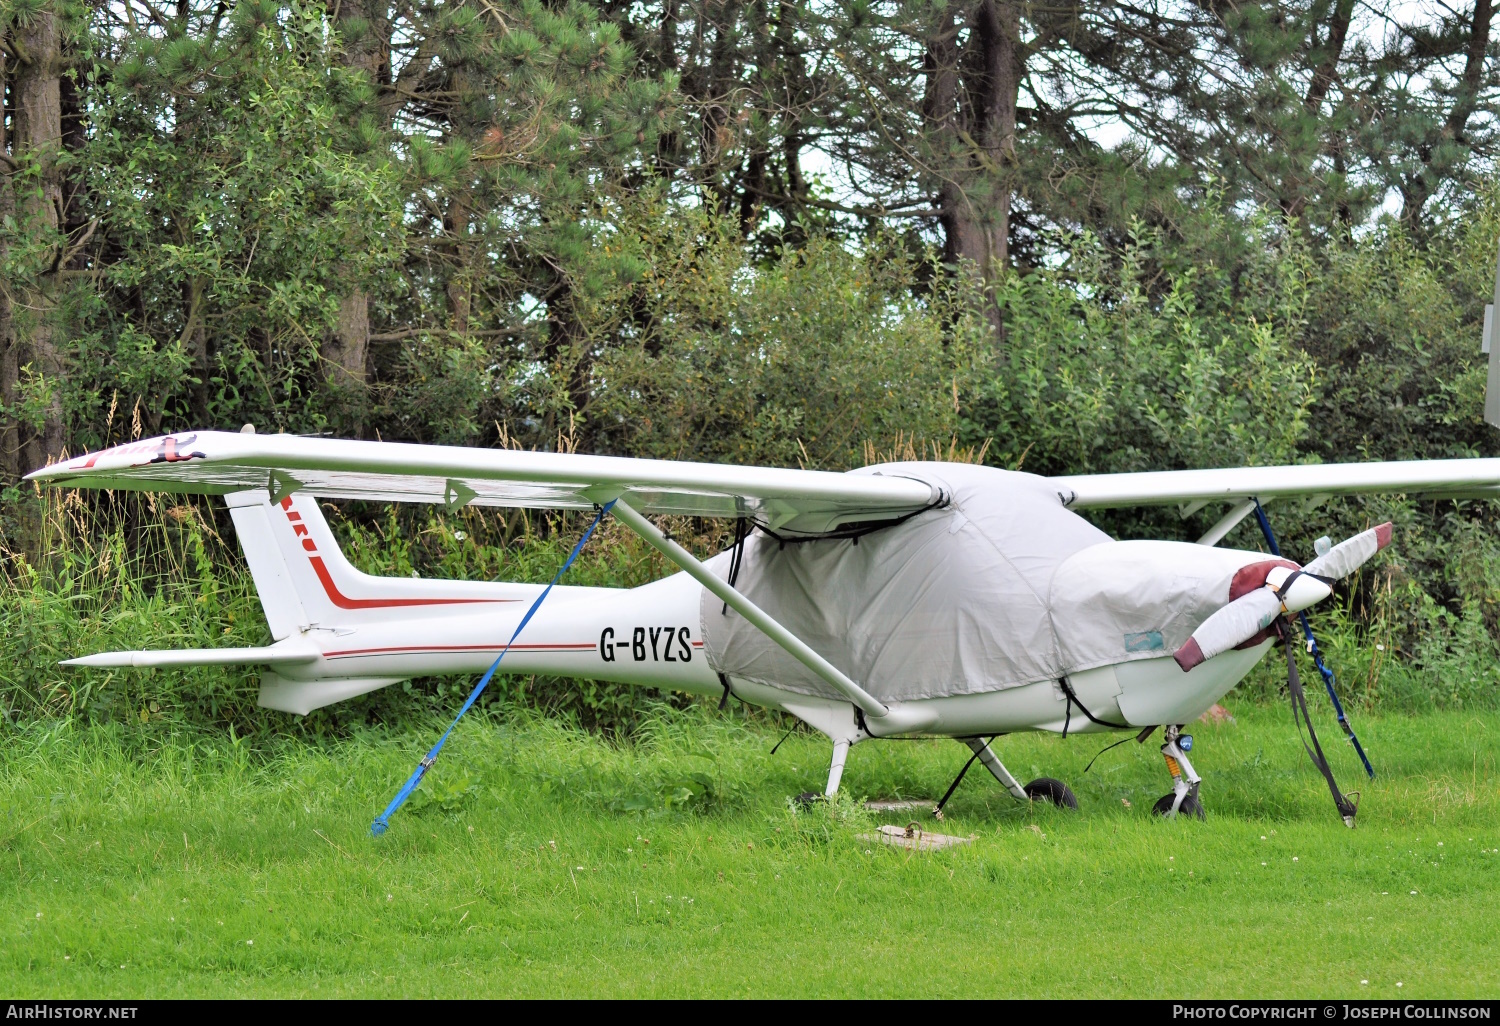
1315 652
383 821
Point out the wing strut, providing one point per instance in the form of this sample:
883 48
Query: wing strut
1228 522
798 648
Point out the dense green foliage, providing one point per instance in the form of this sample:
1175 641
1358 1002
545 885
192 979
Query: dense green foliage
456 222
170 575
1117 237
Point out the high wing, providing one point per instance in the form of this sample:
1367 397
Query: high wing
811 501
1449 479
1191 490
218 462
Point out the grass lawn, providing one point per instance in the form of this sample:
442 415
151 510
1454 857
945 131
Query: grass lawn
547 862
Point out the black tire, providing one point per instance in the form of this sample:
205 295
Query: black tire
1054 791
1190 806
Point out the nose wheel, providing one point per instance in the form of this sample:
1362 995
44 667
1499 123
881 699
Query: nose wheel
1183 801
1190 806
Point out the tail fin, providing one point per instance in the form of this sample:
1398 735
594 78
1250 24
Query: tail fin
251 512
304 580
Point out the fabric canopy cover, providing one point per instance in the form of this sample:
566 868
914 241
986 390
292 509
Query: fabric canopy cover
1003 586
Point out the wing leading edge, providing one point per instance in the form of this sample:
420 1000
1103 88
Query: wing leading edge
1449 479
218 462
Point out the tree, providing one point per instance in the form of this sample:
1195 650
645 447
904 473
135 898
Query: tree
35 249
520 122
234 212
364 29
1432 89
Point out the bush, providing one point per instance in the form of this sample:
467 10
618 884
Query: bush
123 571
1152 356
794 361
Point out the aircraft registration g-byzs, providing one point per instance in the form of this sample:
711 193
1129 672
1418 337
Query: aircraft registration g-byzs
908 599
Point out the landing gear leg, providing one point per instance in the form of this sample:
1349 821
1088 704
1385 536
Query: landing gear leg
836 768
1042 788
1185 780
980 747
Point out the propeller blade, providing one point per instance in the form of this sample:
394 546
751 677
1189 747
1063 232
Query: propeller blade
1234 623
1348 556
1248 615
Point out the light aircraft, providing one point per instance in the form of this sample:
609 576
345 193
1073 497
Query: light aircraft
908 599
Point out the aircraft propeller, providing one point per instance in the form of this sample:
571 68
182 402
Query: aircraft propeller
1286 590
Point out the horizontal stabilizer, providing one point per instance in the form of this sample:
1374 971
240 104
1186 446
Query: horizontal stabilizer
275 655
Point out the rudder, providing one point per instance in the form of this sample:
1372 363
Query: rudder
251 512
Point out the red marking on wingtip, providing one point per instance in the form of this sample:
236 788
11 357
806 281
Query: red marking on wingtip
1189 655
1383 535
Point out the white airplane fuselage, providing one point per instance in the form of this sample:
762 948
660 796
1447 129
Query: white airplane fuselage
340 633
650 636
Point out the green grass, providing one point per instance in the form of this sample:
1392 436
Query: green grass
549 862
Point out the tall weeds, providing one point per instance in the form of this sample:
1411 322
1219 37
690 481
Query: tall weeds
115 571
110 571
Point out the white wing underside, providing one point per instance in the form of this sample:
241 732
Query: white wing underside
809 501
1449 479
216 462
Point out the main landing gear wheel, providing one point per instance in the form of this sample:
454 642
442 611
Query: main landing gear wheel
1054 791
1190 806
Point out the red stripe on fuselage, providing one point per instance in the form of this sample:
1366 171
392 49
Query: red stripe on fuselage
343 601
582 646
569 646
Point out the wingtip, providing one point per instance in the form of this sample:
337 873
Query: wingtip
1383 535
1189 655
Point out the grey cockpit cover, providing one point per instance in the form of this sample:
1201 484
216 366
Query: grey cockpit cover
1001 587
952 602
